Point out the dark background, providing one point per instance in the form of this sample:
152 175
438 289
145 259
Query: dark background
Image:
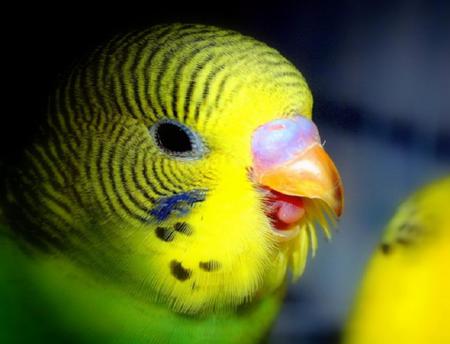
380 73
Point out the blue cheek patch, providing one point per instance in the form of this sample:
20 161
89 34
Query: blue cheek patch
177 205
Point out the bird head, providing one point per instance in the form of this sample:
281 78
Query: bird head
181 164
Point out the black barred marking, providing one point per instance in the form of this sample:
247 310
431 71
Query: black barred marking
75 191
165 234
203 63
289 110
130 39
179 272
169 55
195 31
58 201
230 94
55 152
136 92
101 78
110 177
117 97
185 59
121 93
135 162
220 92
168 171
184 228
286 74
60 221
84 93
70 100
146 83
143 182
209 266
137 84
176 79
64 100
386 248
104 175
138 57
127 85
74 154
104 195
213 78
404 241
271 54
272 64
149 85
192 83
50 162
171 171
296 84
163 180
409 228
37 160
408 233
157 179
119 189
59 146
28 207
182 63
108 55
246 46
94 93
148 163
209 81
55 105
128 184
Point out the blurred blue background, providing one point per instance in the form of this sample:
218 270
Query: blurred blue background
380 74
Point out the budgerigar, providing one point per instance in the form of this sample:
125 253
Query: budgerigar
176 179
404 297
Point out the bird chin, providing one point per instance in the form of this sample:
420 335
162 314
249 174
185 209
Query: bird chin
286 235
298 239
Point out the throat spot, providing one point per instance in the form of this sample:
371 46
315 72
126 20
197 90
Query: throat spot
179 272
167 234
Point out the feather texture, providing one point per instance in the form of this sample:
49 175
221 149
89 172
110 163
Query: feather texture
105 193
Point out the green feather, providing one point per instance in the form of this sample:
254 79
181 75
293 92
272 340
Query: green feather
49 300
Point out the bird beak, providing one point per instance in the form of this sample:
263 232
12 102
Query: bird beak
289 158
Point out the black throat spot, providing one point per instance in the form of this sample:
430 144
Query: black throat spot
179 272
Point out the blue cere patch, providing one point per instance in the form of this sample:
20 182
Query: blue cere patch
177 205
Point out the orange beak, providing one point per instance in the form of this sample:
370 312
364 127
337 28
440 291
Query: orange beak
289 158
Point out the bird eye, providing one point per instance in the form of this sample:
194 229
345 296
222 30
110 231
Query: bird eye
176 139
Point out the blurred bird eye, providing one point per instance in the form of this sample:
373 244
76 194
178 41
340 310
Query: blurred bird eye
176 139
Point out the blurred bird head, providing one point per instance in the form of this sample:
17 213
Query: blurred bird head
181 163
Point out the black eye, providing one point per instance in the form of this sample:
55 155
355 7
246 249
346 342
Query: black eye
176 139
173 138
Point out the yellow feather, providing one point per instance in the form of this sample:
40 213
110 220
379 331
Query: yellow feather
404 297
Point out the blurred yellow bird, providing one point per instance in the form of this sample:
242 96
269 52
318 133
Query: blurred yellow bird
405 295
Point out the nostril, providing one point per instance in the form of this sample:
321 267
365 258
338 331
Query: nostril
277 127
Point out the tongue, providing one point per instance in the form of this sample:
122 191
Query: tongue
284 210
